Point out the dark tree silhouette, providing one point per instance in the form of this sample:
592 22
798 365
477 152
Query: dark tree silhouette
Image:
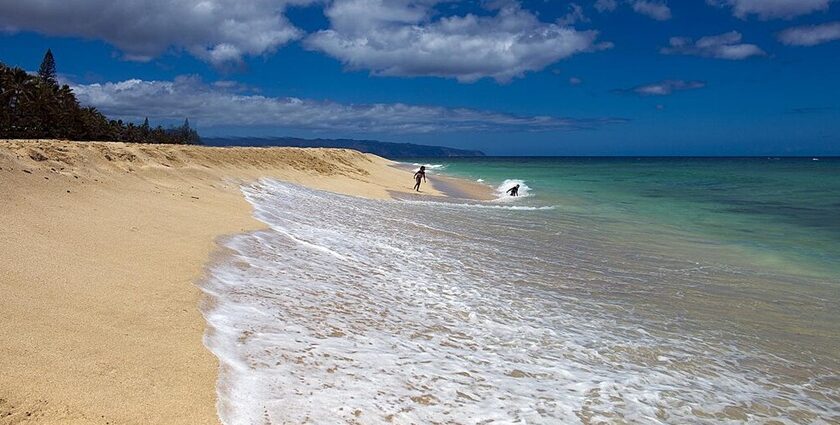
35 107
47 69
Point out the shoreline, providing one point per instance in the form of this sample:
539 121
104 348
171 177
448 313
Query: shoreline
105 245
452 187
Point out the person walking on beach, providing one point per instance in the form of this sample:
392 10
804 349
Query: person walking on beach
514 191
420 174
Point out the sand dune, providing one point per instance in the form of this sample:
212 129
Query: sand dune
100 246
339 170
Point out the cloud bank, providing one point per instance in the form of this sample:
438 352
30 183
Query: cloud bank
216 31
810 35
212 105
772 9
724 46
403 38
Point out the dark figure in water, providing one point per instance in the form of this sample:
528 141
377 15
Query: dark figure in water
514 191
421 174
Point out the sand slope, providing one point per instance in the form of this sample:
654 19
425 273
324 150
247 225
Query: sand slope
100 246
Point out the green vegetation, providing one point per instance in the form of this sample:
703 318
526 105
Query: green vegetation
384 149
37 107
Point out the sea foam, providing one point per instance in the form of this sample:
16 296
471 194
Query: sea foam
503 196
348 310
435 167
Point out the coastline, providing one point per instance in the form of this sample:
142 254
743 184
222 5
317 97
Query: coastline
451 187
102 246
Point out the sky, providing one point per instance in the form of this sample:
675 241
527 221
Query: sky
529 77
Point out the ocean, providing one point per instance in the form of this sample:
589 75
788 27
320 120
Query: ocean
614 290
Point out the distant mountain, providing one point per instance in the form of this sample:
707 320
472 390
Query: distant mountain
384 149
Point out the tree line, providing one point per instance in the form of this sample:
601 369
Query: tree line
37 107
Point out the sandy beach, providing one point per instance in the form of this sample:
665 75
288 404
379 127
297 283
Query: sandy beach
100 248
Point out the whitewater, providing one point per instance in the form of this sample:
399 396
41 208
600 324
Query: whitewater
348 310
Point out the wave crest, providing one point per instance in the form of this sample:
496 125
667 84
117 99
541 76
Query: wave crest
501 190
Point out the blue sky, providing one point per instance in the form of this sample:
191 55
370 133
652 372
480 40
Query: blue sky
591 77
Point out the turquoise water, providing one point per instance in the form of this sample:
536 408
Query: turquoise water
784 211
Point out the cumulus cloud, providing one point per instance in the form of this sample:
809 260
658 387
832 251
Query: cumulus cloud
772 9
405 38
212 105
724 46
654 9
663 88
575 81
811 35
216 31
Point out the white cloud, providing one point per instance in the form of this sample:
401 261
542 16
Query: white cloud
724 46
605 5
811 35
654 9
574 16
216 31
403 38
575 81
664 87
213 105
772 9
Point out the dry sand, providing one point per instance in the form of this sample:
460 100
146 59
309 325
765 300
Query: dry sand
100 246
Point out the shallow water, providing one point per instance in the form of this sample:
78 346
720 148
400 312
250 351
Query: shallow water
782 210
359 311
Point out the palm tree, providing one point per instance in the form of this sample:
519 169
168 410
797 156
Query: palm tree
66 97
20 84
43 112
18 96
